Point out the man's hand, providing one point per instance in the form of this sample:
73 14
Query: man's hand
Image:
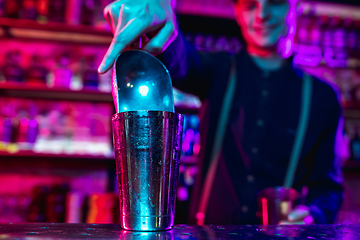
300 215
130 19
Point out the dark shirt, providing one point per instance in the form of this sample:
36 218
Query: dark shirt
260 134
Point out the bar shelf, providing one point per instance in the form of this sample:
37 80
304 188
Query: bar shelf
25 91
29 154
52 31
32 154
197 8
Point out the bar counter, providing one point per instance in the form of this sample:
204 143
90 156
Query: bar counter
113 231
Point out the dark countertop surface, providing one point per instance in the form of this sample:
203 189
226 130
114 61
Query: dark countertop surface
183 232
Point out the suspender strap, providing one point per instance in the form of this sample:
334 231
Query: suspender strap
301 130
218 141
220 132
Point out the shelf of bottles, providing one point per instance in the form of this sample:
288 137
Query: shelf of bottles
54 20
327 45
50 76
53 129
72 130
328 35
57 203
214 8
76 129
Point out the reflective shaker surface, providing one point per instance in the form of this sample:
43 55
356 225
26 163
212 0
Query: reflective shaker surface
147 150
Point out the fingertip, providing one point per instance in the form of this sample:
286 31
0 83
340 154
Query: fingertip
103 68
107 61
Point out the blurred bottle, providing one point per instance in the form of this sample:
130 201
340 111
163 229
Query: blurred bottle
102 208
355 145
235 45
335 55
7 130
33 126
356 93
338 33
78 71
73 11
187 143
302 28
2 13
90 76
75 207
190 175
105 82
357 29
42 9
57 10
191 136
199 42
55 204
6 122
28 9
182 193
22 209
99 19
344 79
2 123
14 208
194 122
220 44
197 144
38 203
12 70
209 43
315 30
62 72
12 8
88 12
23 130
327 32
37 73
228 46
350 34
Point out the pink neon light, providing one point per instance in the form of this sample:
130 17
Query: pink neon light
264 211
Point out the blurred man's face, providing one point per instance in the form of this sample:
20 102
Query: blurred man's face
263 22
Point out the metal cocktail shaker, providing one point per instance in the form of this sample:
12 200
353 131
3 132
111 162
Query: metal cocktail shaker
147 150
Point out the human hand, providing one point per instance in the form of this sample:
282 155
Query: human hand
300 215
130 19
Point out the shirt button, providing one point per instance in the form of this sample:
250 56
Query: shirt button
244 209
250 178
265 93
260 122
254 150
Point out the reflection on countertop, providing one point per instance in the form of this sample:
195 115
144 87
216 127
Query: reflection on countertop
113 231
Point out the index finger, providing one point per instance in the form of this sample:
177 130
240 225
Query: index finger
122 39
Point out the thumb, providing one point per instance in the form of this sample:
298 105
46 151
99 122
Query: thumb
298 214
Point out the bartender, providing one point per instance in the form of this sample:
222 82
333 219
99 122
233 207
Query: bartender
264 113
